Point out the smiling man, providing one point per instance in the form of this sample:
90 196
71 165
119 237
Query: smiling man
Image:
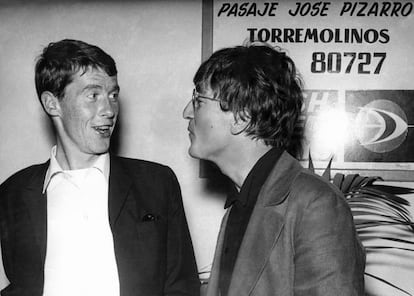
286 231
87 222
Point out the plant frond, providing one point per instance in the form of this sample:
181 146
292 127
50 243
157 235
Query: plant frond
393 189
385 195
375 209
352 181
371 248
363 206
338 179
366 224
388 283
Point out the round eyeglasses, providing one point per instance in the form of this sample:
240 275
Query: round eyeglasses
196 99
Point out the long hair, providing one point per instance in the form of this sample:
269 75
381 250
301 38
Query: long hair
259 84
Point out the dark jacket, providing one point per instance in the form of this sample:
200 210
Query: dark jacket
152 244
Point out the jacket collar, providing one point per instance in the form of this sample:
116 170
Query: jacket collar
119 186
36 204
268 217
36 201
278 184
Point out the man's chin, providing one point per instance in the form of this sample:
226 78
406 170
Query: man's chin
193 153
101 149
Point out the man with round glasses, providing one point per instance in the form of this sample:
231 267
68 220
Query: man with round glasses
286 230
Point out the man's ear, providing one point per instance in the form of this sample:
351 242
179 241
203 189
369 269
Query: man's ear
239 124
50 103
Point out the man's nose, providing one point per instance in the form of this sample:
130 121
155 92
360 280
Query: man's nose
108 108
188 112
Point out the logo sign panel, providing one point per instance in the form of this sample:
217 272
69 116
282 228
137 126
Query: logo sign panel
382 126
355 59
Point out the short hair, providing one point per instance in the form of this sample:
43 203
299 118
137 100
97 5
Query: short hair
258 83
60 60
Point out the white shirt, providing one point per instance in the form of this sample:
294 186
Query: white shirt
80 256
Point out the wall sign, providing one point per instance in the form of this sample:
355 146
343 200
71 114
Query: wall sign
355 58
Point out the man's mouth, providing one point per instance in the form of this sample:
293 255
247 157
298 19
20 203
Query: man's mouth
190 130
103 130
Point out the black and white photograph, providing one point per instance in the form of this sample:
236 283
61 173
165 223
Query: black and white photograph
206 148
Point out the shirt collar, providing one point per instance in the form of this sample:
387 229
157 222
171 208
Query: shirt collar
232 196
102 164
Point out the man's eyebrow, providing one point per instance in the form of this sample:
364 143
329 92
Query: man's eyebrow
98 86
92 86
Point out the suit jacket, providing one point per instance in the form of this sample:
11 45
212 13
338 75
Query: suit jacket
152 244
300 240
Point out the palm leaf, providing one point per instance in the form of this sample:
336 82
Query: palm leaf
374 248
374 207
388 283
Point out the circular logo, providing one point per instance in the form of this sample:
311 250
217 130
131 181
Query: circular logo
381 126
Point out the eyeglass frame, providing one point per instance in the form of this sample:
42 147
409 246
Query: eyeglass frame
197 95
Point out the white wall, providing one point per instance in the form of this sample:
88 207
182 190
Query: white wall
157 47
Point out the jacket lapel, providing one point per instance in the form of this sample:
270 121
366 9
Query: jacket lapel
36 204
213 283
265 226
119 186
